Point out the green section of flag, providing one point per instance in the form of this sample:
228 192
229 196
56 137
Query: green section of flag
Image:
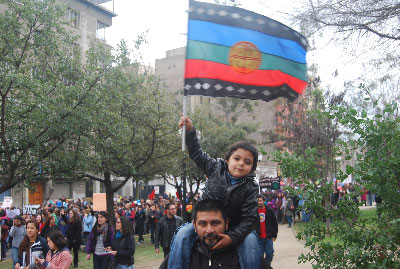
217 53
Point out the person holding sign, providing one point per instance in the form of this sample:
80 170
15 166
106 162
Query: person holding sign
31 246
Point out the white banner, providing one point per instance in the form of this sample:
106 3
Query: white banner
12 213
7 202
31 209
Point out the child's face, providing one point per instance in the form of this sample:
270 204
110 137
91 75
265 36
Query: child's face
240 163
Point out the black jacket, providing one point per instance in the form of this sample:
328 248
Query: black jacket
46 230
74 233
140 217
270 222
162 231
239 199
125 247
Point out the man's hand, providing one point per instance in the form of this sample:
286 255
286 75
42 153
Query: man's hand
273 239
157 250
88 257
224 242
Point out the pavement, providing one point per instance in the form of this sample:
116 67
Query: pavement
288 249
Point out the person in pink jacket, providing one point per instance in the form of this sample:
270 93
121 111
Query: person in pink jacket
58 256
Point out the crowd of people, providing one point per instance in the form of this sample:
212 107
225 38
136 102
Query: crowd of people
53 237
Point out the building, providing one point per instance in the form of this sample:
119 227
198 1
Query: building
90 21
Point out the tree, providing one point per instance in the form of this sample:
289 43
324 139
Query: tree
132 130
45 90
359 242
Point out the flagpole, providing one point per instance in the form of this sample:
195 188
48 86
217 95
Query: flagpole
184 122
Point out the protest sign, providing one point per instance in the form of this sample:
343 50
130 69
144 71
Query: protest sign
7 202
99 202
11 213
30 209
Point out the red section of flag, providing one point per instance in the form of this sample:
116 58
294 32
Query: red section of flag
177 195
271 78
152 195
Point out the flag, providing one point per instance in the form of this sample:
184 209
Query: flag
152 195
235 52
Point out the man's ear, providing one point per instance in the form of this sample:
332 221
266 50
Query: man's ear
226 224
194 225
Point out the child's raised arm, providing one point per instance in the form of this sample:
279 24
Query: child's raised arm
188 122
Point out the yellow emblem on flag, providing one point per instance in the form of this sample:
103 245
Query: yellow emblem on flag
244 57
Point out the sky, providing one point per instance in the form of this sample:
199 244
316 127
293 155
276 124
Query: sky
165 25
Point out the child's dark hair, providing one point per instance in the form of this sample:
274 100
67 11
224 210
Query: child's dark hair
246 146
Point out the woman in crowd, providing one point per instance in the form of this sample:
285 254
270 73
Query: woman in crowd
100 238
17 232
123 245
49 225
74 234
87 224
63 222
58 256
31 246
40 221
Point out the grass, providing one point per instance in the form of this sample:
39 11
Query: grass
367 214
144 253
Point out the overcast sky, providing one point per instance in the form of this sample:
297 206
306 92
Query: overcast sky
165 22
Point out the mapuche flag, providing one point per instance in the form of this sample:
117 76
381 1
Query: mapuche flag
239 53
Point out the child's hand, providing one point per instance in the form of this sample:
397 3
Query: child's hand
188 122
224 242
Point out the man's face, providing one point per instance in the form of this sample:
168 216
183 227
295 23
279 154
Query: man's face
209 225
171 211
260 202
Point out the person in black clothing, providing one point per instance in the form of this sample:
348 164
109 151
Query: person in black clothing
49 225
210 222
166 228
74 235
154 216
123 245
140 219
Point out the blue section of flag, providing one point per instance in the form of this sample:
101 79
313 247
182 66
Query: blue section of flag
228 36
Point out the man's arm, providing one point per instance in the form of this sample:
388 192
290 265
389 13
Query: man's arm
157 237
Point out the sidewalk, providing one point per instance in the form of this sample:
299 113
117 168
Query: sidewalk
287 249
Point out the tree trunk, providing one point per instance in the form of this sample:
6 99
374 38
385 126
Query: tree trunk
109 196
137 189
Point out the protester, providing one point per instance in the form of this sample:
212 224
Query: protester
5 225
49 225
267 229
165 229
87 224
140 219
40 221
58 257
210 223
123 245
154 216
31 246
63 222
99 239
17 232
74 235
231 180
289 210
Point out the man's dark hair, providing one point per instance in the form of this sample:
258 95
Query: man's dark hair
208 205
261 196
246 146
169 204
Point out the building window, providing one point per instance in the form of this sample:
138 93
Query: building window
73 17
101 31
